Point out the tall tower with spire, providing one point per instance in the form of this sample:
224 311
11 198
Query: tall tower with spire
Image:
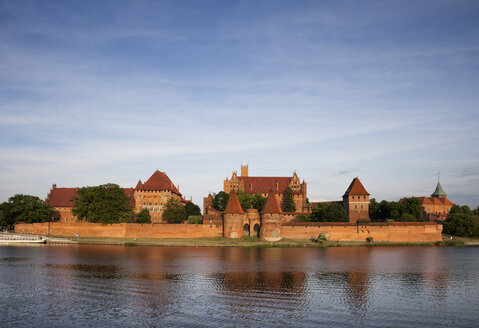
439 192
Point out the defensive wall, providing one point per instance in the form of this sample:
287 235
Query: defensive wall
401 232
120 230
396 232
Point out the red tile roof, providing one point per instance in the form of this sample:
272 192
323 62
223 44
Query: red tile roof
233 206
159 181
263 185
271 206
356 188
139 185
61 197
434 201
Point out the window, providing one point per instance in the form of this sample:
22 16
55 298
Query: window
150 203
355 206
353 197
156 203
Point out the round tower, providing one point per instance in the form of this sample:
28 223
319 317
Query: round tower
233 218
271 216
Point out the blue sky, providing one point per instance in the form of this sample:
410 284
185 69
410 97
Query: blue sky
109 91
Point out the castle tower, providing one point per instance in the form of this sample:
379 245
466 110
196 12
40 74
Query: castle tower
244 170
356 202
233 217
271 217
439 193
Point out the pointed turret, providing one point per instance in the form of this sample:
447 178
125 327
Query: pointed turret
439 193
233 206
139 185
356 188
271 206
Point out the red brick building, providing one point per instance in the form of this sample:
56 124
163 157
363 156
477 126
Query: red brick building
152 195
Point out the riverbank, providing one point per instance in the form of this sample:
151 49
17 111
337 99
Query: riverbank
247 242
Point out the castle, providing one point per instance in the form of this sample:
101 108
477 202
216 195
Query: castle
266 185
270 223
436 207
151 195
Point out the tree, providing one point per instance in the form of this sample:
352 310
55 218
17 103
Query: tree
411 206
195 219
175 212
248 201
192 209
220 200
25 208
106 203
287 204
461 222
143 216
325 212
374 209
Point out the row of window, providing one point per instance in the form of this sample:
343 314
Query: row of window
359 197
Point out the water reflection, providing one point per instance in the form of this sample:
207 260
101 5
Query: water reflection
156 286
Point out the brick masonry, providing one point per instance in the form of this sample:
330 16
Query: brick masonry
390 232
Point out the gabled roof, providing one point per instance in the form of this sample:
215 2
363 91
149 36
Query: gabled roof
61 197
233 206
139 185
264 185
425 200
159 181
356 188
271 206
439 192
434 201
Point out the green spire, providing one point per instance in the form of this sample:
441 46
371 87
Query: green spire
438 192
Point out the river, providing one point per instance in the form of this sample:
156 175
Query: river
103 286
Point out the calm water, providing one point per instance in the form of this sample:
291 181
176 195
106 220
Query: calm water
102 286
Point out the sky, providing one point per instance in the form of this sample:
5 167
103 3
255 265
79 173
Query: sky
93 92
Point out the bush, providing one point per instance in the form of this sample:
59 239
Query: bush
369 239
406 217
303 218
195 219
322 237
143 216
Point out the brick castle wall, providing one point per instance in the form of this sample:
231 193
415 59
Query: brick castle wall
120 230
391 232
396 232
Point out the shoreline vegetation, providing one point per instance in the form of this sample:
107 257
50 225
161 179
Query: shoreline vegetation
250 242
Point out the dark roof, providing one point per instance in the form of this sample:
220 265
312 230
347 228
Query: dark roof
159 181
264 185
61 197
356 188
233 206
271 206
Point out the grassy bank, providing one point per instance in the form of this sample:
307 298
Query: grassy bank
226 242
